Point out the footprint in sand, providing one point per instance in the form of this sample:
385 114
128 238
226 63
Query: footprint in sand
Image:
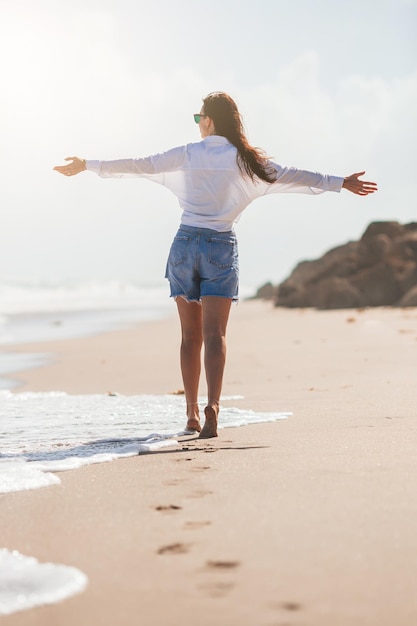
222 564
291 606
199 449
288 606
200 493
168 507
174 482
195 525
217 590
174 548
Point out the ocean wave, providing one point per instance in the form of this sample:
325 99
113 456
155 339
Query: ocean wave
33 297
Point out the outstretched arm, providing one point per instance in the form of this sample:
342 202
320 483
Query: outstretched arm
361 187
77 166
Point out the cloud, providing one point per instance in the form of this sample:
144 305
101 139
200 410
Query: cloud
72 87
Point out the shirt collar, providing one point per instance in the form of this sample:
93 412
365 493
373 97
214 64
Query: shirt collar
216 139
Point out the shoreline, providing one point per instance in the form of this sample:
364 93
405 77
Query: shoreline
308 520
50 327
293 351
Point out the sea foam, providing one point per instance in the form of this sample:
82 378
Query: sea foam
45 433
26 583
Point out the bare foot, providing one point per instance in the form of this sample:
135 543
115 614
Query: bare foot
210 425
193 423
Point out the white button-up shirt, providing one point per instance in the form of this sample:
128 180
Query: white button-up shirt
205 177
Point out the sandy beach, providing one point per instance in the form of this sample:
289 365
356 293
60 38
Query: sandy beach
307 521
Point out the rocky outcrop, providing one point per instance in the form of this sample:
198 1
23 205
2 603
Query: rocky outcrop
268 291
378 270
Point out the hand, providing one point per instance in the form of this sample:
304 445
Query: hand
77 166
361 187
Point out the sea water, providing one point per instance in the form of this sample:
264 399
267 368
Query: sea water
43 434
40 312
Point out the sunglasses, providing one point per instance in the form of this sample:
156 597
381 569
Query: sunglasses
197 117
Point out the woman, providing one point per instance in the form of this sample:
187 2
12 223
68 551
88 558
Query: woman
214 181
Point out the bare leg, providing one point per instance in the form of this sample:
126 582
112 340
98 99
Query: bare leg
191 316
215 317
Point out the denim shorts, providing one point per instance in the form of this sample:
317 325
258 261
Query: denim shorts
203 262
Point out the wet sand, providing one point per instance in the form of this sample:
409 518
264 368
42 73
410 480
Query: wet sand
307 521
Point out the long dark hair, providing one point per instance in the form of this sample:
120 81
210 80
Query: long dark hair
227 120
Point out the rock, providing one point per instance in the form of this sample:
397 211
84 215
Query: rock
373 250
377 285
409 298
340 261
335 293
267 292
378 270
391 229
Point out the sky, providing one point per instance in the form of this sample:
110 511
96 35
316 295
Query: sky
324 85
